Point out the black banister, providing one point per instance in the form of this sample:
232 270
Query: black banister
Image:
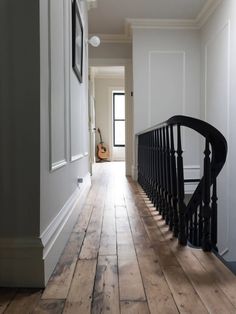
161 175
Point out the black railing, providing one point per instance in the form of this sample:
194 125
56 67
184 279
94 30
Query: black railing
161 175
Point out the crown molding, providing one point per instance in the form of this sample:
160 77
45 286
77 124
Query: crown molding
130 24
161 23
206 12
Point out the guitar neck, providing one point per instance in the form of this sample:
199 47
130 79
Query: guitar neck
100 134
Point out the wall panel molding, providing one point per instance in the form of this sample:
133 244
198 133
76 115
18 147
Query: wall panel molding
76 157
58 164
57 82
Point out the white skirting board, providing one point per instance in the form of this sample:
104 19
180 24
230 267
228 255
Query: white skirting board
29 262
56 235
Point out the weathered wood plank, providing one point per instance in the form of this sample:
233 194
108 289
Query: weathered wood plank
106 292
84 218
128 307
121 212
130 281
6 296
24 302
91 243
49 307
159 296
203 282
153 232
222 275
108 236
132 210
107 245
125 245
59 283
183 292
80 295
139 233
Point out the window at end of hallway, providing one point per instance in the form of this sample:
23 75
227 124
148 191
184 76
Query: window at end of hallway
118 119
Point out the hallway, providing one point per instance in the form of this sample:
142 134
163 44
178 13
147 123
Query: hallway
121 258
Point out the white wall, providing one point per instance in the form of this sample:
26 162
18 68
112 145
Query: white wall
111 51
103 112
218 42
44 135
166 65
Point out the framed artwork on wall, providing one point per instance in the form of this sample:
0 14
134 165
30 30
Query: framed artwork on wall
77 41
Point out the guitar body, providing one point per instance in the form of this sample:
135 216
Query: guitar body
102 150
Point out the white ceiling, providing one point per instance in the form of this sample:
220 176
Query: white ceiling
110 15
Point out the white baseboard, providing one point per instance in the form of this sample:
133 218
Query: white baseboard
30 261
56 235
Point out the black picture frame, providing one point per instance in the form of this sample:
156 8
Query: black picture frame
77 41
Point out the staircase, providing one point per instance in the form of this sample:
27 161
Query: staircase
161 175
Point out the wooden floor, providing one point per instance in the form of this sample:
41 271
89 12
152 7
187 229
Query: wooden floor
121 258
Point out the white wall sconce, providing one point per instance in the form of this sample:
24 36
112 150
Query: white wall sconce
94 41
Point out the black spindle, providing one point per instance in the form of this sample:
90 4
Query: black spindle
181 205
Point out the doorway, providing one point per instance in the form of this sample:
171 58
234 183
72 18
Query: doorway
108 98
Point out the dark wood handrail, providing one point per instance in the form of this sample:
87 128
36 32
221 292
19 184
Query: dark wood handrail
160 173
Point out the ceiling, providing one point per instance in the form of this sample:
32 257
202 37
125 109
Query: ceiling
110 16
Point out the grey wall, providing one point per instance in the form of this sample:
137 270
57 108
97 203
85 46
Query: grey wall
19 118
111 51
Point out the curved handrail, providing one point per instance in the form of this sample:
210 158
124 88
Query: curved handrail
215 137
214 160
219 151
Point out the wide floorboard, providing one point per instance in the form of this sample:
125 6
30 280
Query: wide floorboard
121 258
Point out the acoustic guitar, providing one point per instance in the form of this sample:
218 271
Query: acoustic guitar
102 150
